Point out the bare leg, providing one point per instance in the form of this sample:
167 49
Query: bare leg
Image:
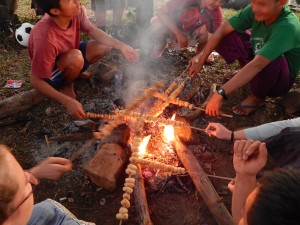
70 64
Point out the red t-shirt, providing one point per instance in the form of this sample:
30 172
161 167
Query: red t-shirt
211 18
47 41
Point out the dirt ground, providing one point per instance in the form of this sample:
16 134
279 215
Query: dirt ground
176 202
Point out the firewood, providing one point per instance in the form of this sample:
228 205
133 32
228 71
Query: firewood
20 102
78 136
203 184
140 199
104 72
185 133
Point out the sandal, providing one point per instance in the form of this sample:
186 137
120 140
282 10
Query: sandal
246 110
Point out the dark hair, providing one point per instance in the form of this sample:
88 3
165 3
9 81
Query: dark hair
278 199
47 5
8 185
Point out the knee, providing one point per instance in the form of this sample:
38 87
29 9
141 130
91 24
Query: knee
75 59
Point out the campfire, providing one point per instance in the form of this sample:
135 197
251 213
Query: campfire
141 158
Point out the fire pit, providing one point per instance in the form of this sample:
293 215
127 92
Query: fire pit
141 159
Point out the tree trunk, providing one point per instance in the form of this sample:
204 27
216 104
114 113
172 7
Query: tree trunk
20 102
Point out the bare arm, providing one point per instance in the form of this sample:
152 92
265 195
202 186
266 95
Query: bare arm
221 132
249 158
215 39
247 73
73 106
101 37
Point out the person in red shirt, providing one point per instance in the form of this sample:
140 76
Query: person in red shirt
57 55
186 23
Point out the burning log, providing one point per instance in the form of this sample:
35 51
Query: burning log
20 102
203 184
185 132
106 166
140 199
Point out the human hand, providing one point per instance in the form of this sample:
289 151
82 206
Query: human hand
230 185
218 130
182 40
214 105
52 168
129 53
75 109
249 157
194 66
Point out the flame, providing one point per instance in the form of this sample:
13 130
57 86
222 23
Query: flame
169 131
142 147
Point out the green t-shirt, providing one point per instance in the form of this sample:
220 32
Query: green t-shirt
282 37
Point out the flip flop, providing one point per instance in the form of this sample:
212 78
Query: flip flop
252 107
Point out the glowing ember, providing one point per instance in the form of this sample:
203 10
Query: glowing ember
169 131
142 147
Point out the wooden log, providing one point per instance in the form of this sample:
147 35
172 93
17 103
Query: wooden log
105 168
78 136
140 199
104 72
203 184
20 102
185 133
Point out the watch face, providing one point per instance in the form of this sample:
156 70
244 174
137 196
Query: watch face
221 91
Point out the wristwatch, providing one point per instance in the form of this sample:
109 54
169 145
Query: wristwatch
221 92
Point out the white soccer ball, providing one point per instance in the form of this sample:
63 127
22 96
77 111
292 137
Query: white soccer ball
22 34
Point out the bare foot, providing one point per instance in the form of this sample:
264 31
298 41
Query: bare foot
85 75
69 91
248 106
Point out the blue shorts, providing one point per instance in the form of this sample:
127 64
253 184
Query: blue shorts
57 77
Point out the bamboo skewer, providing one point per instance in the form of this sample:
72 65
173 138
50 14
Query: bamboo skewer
221 114
220 177
179 102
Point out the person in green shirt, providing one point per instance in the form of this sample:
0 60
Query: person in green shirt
269 55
